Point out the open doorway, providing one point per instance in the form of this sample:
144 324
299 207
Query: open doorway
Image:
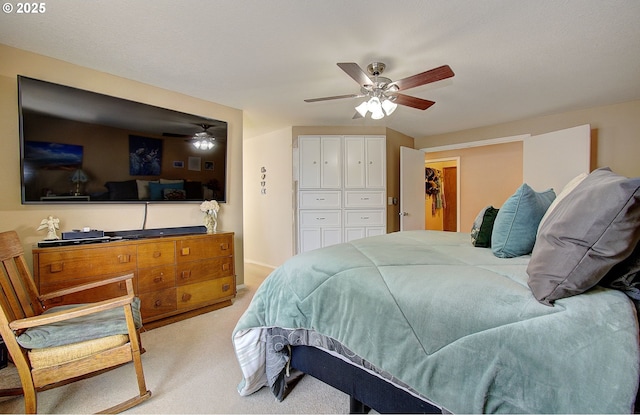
441 194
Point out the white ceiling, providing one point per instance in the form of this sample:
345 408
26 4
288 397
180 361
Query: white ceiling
513 59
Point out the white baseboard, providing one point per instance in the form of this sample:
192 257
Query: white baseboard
262 264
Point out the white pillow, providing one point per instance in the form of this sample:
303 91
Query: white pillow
143 188
568 188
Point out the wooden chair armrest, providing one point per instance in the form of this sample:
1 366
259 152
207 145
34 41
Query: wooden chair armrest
70 313
83 287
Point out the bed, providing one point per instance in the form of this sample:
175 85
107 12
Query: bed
447 326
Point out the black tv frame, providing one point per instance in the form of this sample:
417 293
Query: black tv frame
49 100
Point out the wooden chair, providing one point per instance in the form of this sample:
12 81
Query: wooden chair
43 368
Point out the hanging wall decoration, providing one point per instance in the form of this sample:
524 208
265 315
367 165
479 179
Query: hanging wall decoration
263 180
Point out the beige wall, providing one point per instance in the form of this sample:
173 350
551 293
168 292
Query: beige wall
25 218
616 130
270 219
488 176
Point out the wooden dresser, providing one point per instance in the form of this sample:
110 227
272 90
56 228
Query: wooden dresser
176 277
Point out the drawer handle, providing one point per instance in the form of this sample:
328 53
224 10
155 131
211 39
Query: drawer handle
186 297
185 251
224 246
185 274
364 198
321 218
225 267
364 217
158 279
320 199
158 303
124 258
157 254
56 267
226 287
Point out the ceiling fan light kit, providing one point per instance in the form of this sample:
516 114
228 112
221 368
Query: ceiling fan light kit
382 94
203 140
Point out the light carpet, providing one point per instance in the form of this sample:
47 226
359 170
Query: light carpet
190 367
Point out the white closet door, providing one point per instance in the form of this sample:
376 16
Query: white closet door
553 159
354 162
309 162
331 163
376 162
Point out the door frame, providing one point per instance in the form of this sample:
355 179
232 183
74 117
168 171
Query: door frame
458 168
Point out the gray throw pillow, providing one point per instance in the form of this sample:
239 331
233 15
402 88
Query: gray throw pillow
592 229
625 276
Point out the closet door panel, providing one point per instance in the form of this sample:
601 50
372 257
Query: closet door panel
310 162
331 170
354 172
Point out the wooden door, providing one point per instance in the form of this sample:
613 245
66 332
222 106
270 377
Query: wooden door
450 216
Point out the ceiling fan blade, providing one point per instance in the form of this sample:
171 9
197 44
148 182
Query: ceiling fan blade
333 97
353 70
175 135
409 101
433 75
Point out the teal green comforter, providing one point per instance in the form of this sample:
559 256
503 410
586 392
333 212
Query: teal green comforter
452 322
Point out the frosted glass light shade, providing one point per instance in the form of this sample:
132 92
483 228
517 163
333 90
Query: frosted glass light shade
363 108
389 106
377 114
374 105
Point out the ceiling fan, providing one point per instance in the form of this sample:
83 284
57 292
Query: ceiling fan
202 140
383 94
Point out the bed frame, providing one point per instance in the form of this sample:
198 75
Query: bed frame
366 391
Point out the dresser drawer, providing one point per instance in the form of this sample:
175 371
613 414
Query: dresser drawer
195 271
320 218
196 248
93 295
85 264
196 295
320 200
364 217
156 253
157 303
363 199
158 278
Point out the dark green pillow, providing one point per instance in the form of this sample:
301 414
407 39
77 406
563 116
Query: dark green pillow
483 227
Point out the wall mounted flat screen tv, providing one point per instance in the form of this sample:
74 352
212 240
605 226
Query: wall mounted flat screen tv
78 146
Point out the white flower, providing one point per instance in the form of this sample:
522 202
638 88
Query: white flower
210 206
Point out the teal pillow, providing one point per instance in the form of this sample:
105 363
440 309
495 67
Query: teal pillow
79 329
516 224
